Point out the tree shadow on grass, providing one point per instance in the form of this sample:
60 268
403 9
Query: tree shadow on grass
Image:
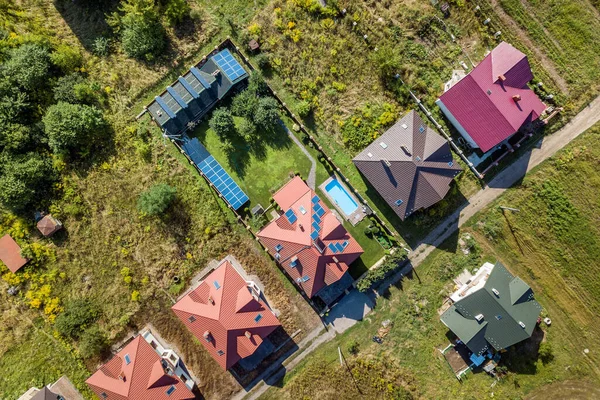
86 18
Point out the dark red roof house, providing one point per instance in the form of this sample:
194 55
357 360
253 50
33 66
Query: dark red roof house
137 372
228 315
10 254
493 101
310 243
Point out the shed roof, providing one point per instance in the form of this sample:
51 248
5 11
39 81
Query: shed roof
136 373
483 102
306 244
501 313
410 165
219 312
49 225
10 254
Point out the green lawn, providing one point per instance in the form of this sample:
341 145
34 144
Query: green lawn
38 360
262 169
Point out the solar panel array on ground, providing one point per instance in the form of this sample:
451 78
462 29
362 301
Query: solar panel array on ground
215 173
229 65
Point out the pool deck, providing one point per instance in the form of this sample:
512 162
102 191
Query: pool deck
357 215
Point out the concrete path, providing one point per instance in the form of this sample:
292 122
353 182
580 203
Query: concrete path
352 308
311 180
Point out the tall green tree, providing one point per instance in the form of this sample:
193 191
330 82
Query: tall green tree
266 115
27 66
73 128
24 180
157 199
222 123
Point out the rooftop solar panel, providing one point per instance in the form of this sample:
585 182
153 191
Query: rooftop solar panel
320 212
200 78
188 87
332 248
176 97
339 247
314 235
229 65
315 199
316 226
164 106
215 173
316 218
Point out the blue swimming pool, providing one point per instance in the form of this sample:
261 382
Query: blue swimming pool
341 197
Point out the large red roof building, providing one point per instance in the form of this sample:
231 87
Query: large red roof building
227 314
493 101
137 372
308 240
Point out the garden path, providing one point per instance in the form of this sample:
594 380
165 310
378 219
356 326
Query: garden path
311 181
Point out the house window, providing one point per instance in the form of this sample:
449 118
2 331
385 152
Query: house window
220 352
170 390
399 202
498 317
293 263
450 163
305 278
127 359
104 395
217 286
278 248
421 129
258 318
192 318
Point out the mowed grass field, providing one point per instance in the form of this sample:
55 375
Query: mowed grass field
552 243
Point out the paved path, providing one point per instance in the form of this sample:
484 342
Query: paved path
311 181
347 312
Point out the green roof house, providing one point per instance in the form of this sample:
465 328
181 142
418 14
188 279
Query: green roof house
492 310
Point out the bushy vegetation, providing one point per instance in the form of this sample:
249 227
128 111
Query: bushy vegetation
157 199
78 316
376 275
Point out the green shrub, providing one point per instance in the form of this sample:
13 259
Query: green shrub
135 295
24 180
142 35
92 342
267 113
244 104
175 11
28 66
546 352
73 88
263 61
157 199
353 347
78 315
377 275
73 128
67 58
304 108
101 46
222 123
257 84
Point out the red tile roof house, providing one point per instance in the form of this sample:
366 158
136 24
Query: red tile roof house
493 101
10 254
138 372
229 317
310 243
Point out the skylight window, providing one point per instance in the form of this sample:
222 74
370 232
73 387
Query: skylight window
258 318
192 318
405 126
382 144
104 395
302 210
450 163
127 359
499 317
421 129
399 202
217 286
170 390
305 278
279 247
220 352
370 155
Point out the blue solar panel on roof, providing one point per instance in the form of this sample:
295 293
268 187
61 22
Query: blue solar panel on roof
317 207
177 97
316 218
320 212
315 199
164 106
289 213
316 226
345 244
188 87
332 247
200 78
229 65
314 235
339 247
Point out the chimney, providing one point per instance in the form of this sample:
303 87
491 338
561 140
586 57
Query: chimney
216 72
501 78
248 334
122 376
403 147
335 260
517 97
301 227
211 300
207 336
